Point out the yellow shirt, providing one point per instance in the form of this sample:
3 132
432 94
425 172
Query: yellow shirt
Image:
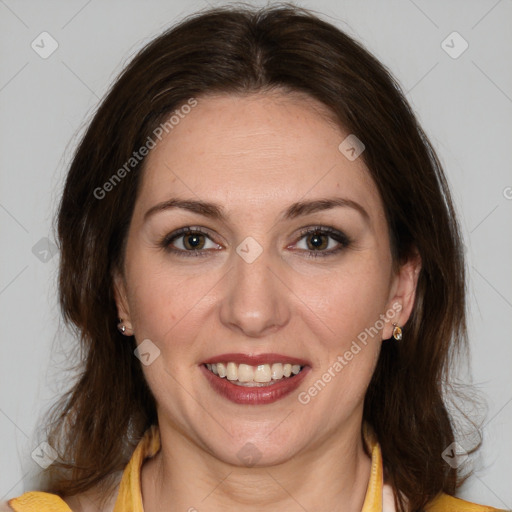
129 498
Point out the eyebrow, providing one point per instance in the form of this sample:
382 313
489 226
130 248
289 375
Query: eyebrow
216 211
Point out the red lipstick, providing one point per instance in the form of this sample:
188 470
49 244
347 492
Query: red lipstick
258 394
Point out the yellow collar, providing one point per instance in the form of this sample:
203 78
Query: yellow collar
129 498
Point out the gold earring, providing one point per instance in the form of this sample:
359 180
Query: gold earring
397 332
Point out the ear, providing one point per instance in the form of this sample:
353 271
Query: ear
403 294
120 295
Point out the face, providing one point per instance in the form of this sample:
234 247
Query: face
288 263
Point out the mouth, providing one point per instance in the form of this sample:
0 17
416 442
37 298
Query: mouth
254 380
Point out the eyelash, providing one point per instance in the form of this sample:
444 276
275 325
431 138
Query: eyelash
343 240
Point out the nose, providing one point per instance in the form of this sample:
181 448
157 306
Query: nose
256 303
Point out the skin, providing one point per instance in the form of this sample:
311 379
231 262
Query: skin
255 155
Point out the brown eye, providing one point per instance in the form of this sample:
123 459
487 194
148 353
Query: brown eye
189 241
322 241
317 241
194 241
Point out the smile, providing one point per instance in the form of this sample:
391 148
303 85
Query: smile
254 379
254 376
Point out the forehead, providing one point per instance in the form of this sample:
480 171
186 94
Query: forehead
242 150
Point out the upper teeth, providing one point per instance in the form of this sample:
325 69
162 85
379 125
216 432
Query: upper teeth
248 373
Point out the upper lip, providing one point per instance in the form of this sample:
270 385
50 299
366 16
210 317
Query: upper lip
255 359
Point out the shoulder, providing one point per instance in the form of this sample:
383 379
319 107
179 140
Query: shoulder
446 503
37 501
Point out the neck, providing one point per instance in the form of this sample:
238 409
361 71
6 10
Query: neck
333 476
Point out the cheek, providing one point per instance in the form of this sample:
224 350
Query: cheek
343 309
164 303
345 301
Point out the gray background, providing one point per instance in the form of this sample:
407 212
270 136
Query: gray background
464 104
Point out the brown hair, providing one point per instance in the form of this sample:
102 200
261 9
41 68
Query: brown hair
241 50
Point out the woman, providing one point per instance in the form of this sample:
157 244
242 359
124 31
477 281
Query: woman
260 253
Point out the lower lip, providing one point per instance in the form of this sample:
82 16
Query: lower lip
255 395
